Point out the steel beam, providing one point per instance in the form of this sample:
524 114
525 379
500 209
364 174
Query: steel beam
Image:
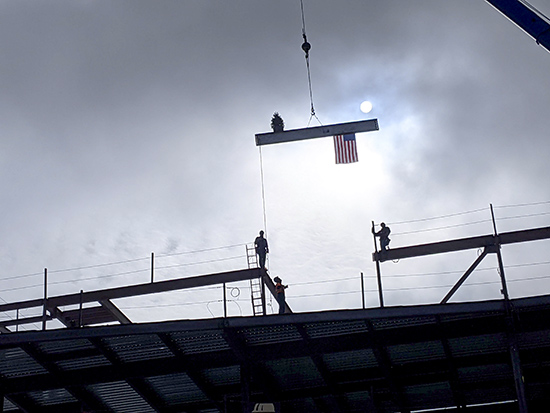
316 132
384 363
463 278
138 289
115 311
337 399
463 244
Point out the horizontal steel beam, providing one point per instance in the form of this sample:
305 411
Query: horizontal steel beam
138 289
462 244
316 132
454 309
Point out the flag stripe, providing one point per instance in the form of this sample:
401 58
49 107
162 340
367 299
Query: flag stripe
345 149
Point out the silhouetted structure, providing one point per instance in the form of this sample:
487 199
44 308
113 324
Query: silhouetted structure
395 359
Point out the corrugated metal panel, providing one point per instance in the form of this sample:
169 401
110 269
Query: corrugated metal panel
426 396
295 373
427 350
138 347
490 395
469 316
223 376
201 342
175 389
535 339
396 322
477 374
359 401
65 346
278 351
350 360
83 363
14 362
52 397
121 397
271 334
319 330
486 343
9 406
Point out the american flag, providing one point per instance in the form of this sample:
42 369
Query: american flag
345 148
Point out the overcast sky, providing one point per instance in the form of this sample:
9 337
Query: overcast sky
127 127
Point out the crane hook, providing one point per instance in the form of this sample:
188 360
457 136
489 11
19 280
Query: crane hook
306 46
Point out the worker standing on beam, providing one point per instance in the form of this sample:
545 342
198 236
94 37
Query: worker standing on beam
383 234
261 249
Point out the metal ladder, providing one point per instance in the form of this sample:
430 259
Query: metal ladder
255 283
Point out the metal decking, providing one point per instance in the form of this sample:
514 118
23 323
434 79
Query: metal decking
393 359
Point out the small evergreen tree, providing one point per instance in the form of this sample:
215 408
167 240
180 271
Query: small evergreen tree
277 123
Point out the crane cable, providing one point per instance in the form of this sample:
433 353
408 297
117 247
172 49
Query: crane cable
306 47
263 189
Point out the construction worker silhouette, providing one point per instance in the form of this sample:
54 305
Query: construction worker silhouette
383 234
261 249
280 290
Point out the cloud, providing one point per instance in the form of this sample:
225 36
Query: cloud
129 128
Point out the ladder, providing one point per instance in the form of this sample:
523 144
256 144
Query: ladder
255 283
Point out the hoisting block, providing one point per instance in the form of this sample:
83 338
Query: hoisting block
316 132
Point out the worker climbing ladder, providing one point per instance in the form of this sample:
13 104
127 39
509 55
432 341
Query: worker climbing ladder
256 291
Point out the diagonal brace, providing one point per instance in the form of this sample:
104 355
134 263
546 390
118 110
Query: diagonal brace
466 275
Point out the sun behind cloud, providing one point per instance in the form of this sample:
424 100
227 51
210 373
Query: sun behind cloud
366 106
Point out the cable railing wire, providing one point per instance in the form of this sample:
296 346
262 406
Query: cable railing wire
437 217
466 213
122 262
464 224
201 262
524 216
117 274
165 267
522 205
202 250
441 228
97 265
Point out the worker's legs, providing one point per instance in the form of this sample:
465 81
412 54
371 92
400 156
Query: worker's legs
261 260
281 301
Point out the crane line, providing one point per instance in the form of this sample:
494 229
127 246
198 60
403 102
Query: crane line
306 47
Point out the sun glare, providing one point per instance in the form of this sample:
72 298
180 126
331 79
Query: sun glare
366 106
